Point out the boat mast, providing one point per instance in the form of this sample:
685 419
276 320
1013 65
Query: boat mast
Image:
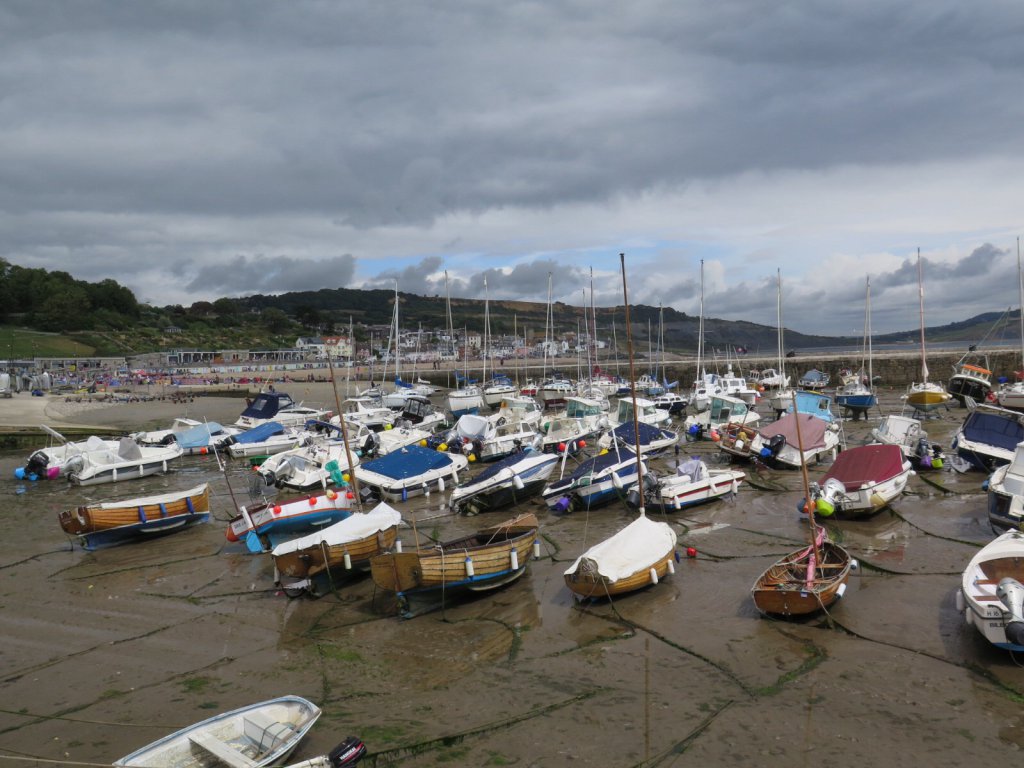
487 333
451 326
661 345
632 389
548 319
867 336
1020 285
592 341
920 295
700 327
344 438
778 316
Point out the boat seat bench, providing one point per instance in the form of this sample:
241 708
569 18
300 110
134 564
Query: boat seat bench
221 751
265 732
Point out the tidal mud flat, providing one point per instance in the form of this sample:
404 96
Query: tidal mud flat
106 651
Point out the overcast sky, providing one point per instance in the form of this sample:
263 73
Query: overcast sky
193 150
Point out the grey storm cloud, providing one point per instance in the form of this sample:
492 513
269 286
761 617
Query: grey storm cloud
164 137
417 278
373 116
274 274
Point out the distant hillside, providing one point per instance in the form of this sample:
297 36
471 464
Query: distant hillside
990 327
375 307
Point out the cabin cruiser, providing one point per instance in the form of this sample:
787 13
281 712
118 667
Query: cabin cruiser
279 407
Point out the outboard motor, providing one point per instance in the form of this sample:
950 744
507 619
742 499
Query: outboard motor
34 468
349 752
1011 593
775 444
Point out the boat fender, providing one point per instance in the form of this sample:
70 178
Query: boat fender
19 473
518 483
470 572
514 560
654 575
671 564
960 601
563 504
440 484
841 591
405 494
348 561
536 549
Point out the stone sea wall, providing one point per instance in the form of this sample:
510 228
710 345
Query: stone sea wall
895 369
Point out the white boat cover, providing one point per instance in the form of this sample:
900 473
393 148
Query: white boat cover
639 545
353 528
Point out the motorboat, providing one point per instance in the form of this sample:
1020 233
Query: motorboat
129 462
412 471
595 482
279 407
254 736
862 481
988 437
723 409
1005 489
907 433
653 441
991 595
51 461
694 482
504 483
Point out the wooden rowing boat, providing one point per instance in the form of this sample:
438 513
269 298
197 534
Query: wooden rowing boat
115 522
306 564
805 581
810 579
485 560
639 555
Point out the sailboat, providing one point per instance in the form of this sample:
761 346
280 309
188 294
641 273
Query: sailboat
395 400
639 555
467 398
809 579
925 396
857 395
781 399
499 386
1012 395
704 385
553 388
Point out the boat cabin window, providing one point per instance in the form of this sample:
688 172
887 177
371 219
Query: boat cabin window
577 409
724 410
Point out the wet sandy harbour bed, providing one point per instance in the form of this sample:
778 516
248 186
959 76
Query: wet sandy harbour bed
104 652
